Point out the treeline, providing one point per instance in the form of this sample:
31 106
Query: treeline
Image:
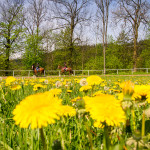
51 32
86 57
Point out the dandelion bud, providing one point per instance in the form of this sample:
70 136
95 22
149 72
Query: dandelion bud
128 88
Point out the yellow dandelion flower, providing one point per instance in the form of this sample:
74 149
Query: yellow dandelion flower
32 83
55 91
94 80
127 88
98 124
148 98
69 91
103 84
38 86
42 80
15 87
67 111
105 108
10 80
38 110
76 99
120 96
77 80
141 92
114 86
116 83
98 93
85 88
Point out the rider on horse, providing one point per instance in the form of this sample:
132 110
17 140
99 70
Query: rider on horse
37 66
65 66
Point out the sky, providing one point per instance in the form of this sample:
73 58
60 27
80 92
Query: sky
114 30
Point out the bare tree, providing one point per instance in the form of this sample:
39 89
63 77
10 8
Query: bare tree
35 15
10 26
103 13
133 13
72 12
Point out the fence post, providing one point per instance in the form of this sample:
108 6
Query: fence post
117 71
13 73
74 72
44 73
132 71
147 70
59 73
88 72
29 73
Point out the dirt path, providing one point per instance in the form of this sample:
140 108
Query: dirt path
62 76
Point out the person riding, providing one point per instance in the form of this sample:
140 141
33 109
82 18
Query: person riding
33 66
65 66
37 66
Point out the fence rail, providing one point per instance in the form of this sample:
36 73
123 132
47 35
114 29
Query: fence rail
75 72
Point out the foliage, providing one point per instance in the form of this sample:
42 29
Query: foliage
2 62
33 51
11 28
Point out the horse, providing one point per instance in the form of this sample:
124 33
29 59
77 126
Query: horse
67 69
40 70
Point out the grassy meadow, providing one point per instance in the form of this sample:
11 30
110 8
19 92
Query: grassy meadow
75 113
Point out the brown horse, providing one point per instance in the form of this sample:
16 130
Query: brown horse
40 70
67 69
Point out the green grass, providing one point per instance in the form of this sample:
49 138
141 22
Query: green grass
70 133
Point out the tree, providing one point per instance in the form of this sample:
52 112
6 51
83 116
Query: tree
49 40
73 13
62 42
103 10
33 52
11 26
133 12
34 17
124 49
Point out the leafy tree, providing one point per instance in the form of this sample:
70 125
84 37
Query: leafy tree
124 49
2 62
143 60
62 41
33 51
11 26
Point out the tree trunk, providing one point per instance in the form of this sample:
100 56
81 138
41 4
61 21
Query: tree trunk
135 55
7 59
104 38
71 48
135 47
7 52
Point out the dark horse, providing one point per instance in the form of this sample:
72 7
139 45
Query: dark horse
63 71
40 70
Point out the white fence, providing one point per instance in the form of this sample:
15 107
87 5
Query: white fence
75 72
